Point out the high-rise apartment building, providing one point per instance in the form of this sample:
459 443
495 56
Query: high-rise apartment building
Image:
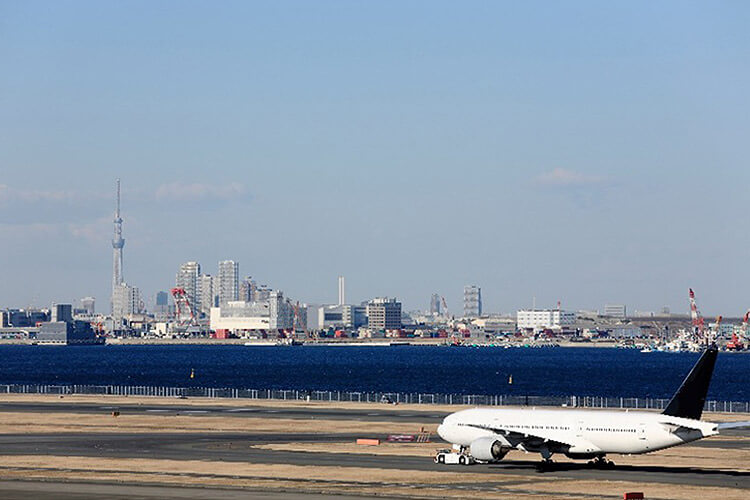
247 290
161 306
187 279
435 304
126 301
262 292
208 293
472 301
229 281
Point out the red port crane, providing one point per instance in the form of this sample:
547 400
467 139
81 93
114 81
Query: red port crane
183 310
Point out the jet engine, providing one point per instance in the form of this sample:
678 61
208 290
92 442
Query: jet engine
489 449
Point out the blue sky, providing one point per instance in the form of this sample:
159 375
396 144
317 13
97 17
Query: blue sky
587 152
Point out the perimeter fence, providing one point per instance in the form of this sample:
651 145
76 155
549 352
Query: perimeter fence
368 397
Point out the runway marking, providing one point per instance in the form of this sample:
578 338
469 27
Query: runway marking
241 409
157 411
195 411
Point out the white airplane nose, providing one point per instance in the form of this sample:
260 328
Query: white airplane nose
441 431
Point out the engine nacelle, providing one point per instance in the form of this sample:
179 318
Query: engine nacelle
489 449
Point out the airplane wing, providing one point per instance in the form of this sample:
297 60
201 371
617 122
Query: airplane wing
533 440
734 425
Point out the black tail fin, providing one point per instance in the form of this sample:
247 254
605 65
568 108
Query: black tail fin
688 401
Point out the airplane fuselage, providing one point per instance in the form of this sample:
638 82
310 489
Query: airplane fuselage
577 433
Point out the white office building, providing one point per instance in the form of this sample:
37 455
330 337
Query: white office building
615 311
383 314
540 319
276 313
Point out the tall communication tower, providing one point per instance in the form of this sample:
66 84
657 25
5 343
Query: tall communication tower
117 243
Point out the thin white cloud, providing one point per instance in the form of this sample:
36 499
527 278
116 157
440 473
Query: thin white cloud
94 231
22 232
565 177
180 191
35 195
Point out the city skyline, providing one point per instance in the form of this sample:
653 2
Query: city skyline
591 155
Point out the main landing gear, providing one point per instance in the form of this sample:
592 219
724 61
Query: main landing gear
601 463
545 465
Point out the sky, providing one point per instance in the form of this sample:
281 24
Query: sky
587 152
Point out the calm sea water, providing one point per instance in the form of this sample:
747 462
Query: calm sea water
539 372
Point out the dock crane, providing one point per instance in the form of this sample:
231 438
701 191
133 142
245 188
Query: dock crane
736 343
184 314
292 332
697 319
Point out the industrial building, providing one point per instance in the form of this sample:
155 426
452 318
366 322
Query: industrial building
62 329
354 316
67 333
540 319
276 313
341 316
22 318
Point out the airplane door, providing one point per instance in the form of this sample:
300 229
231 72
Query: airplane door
642 431
579 428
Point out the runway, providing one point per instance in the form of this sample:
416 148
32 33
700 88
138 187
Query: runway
376 414
23 490
247 448
240 447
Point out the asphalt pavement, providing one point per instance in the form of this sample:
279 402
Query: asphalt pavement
242 447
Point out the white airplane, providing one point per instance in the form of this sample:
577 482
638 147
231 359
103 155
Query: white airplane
487 434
